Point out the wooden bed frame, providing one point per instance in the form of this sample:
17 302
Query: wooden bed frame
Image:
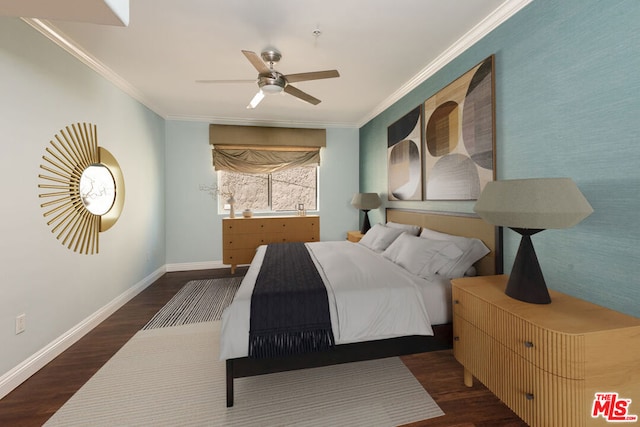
457 224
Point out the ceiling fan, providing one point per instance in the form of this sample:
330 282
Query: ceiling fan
271 81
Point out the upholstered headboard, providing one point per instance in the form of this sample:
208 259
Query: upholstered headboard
459 224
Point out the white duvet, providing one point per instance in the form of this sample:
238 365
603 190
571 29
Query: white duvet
370 298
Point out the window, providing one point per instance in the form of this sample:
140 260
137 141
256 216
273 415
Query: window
273 192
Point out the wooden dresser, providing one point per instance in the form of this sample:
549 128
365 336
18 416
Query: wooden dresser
546 362
241 236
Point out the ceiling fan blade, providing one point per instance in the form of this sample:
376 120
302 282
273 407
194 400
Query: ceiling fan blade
301 95
314 75
256 61
256 100
227 81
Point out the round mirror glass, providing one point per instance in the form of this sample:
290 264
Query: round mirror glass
97 189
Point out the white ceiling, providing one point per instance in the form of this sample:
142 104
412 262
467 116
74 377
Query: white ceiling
381 48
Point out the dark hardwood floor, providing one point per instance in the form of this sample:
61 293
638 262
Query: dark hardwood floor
38 398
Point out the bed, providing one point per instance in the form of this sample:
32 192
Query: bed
410 315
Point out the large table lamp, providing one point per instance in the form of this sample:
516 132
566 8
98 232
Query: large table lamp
365 202
528 206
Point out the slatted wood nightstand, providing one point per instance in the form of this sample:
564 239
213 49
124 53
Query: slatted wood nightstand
546 362
354 236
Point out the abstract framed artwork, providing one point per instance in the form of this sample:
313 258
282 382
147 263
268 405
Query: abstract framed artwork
404 157
459 134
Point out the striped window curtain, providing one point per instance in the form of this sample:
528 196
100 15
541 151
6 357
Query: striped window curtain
259 150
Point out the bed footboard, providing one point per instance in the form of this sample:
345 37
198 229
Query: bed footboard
344 353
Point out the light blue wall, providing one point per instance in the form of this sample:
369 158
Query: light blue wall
338 182
567 104
193 225
42 90
166 218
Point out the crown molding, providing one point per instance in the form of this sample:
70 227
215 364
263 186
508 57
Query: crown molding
51 32
257 122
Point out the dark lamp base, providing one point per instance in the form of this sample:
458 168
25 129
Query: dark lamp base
526 282
366 225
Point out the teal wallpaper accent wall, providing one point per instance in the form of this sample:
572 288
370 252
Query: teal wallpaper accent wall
567 104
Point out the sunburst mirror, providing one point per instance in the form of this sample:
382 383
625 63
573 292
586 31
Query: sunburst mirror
83 188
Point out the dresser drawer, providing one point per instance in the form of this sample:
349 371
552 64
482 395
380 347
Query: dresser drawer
298 229
291 237
541 398
307 236
557 353
305 225
242 241
538 397
245 241
471 308
247 226
544 399
238 256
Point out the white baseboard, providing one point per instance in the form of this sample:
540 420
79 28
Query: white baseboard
37 361
188 266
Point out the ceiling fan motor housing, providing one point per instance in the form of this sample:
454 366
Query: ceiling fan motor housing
271 56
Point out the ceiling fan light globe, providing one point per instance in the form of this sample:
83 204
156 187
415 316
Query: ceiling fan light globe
270 89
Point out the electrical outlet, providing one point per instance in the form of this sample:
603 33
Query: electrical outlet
21 323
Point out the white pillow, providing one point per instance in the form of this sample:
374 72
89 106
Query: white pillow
379 237
393 251
421 256
371 235
414 230
473 249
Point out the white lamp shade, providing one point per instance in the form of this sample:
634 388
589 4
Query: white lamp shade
366 201
537 203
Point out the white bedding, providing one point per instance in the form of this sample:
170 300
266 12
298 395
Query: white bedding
370 298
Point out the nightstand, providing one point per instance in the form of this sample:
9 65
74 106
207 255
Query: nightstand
547 362
354 236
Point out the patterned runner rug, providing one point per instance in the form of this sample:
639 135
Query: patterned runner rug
197 301
172 377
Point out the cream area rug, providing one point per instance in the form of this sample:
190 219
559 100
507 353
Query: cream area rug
172 377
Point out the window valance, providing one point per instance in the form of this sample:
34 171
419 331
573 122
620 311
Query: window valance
252 160
255 149
266 136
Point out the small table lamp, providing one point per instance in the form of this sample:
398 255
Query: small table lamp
528 206
365 202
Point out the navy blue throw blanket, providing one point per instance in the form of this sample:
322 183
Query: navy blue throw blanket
289 305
